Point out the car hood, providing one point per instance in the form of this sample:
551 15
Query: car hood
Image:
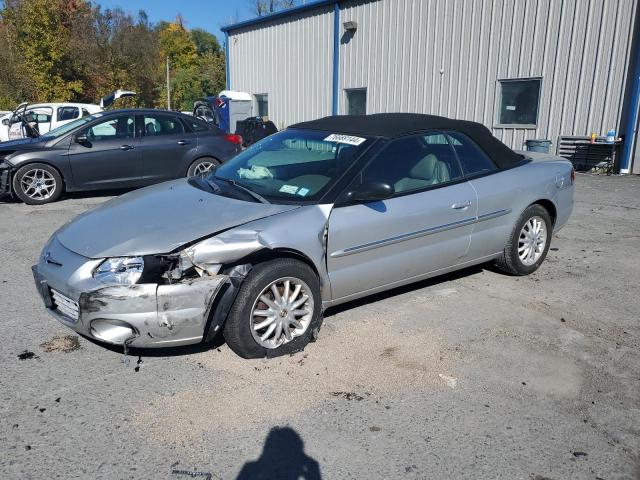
158 219
24 143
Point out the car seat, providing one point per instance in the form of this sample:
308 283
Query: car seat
428 171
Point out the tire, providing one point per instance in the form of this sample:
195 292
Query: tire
37 184
202 165
239 327
512 261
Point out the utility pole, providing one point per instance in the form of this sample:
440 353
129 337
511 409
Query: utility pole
168 87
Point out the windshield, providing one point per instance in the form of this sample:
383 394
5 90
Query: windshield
67 127
298 165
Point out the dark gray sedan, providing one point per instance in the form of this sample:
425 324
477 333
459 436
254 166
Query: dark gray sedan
111 150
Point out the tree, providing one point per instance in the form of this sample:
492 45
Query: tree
205 42
73 50
38 28
267 7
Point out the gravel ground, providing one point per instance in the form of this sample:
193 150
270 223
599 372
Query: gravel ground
472 375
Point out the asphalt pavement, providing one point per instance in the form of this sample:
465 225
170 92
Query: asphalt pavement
472 375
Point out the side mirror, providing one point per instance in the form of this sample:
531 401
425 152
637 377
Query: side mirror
371 192
81 139
5 122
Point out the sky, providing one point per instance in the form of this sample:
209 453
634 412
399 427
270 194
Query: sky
207 14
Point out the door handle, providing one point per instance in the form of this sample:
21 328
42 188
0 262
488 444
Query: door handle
126 147
461 205
183 142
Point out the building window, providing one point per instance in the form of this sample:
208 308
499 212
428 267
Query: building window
519 100
262 102
357 101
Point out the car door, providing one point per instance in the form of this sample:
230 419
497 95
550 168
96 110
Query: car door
424 227
165 143
106 154
496 191
65 114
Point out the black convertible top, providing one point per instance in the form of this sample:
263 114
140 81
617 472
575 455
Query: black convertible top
391 125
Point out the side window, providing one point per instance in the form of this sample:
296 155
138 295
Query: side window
473 159
85 112
111 129
68 113
414 163
196 125
162 125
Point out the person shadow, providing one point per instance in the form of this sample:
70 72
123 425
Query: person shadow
282 458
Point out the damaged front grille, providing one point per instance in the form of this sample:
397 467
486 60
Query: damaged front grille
64 305
5 171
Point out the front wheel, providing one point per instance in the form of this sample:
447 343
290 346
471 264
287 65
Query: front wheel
529 242
277 311
202 166
37 183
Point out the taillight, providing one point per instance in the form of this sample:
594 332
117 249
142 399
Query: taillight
233 138
573 176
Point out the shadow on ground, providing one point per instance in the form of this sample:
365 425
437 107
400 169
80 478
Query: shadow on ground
283 457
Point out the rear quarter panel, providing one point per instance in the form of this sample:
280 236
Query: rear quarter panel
544 178
211 144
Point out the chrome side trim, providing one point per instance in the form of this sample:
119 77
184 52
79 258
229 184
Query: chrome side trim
496 214
420 233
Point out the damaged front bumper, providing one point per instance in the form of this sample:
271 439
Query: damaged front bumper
141 315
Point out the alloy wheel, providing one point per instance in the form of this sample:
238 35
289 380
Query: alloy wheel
532 240
281 312
202 168
38 184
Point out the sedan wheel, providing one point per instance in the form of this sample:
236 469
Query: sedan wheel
37 183
281 312
277 310
202 166
528 243
532 241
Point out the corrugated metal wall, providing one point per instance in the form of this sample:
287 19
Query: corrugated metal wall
445 57
291 60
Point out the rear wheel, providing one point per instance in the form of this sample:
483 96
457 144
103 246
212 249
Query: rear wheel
37 183
277 310
529 242
202 166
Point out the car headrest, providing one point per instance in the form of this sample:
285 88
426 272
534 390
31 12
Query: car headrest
425 168
150 128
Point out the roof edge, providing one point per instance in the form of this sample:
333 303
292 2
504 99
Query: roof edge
281 14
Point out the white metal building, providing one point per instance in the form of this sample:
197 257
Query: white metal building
524 68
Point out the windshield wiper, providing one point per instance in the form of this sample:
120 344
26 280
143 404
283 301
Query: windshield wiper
255 195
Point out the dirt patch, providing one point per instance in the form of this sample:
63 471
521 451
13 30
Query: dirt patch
357 360
66 344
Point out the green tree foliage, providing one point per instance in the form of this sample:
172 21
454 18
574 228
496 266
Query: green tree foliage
205 42
267 7
72 50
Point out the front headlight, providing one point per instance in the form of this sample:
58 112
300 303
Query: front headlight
120 270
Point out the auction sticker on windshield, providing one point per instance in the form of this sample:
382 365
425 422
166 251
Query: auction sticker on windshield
348 139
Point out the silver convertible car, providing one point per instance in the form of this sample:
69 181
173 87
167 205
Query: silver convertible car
322 213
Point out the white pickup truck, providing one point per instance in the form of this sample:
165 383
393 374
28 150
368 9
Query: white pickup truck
44 117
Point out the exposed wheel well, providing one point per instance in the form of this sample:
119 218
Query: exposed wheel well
267 254
549 207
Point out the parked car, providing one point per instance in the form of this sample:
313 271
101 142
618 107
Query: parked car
322 213
108 150
31 120
43 117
